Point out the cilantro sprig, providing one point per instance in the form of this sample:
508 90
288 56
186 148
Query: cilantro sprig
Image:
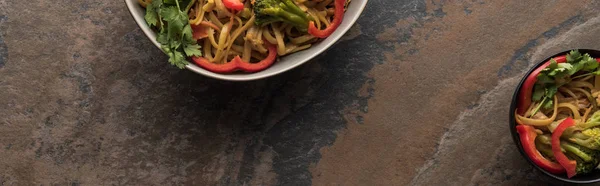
175 33
559 74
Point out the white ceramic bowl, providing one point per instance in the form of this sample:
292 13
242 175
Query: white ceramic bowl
285 63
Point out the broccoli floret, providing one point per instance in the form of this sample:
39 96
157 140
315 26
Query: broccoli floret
589 138
585 154
544 143
593 121
269 11
584 168
586 134
587 159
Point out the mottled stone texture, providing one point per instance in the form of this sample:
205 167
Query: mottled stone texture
417 92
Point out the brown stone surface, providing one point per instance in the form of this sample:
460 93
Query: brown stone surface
444 107
417 93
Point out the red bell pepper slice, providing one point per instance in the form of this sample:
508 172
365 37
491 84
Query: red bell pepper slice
234 4
214 67
263 64
238 64
338 16
527 88
569 165
527 135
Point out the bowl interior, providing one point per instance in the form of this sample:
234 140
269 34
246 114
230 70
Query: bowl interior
589 178
285 63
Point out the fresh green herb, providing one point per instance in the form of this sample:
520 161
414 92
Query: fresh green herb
175 32
558 74
151 16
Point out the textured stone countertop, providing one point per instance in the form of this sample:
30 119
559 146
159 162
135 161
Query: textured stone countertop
416 93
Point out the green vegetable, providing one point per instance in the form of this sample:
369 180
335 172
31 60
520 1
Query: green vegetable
585 154
587 159
576 153
585 167
151 16
593 121
586 134
558 74
269 11
543 145
175 32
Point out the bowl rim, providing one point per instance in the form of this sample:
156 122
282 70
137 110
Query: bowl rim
512 122
253 76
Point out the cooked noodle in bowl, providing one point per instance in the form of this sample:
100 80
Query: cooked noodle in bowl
242 36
